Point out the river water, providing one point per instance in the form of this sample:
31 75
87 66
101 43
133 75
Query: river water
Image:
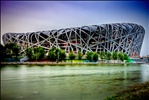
68 82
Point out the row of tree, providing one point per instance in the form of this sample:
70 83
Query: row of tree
55 54
93 56
114 55
12 50
39 53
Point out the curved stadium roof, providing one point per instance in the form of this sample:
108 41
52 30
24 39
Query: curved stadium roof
125 37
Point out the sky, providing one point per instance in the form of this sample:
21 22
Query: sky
32 16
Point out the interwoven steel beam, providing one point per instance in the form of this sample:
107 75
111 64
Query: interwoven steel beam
125 37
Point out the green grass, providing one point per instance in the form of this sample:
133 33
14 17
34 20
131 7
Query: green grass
138 92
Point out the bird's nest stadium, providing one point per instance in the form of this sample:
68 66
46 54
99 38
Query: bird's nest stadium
124 37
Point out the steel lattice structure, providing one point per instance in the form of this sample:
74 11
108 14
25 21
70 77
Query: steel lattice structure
125 37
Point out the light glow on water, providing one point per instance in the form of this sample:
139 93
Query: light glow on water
84 82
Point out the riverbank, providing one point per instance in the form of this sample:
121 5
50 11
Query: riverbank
137 92
65 63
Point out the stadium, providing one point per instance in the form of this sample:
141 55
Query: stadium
119 37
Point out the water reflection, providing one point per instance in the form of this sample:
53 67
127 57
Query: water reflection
144 73
12 66
68 82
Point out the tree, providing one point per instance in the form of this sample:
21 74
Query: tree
92 56
38 53
95 56
51 54
89 56
2 53
105 54
72 56
12 49
126 56
29 53
16 51
35 52
121 56
114 56
8 51
41 53
56 54
80 55
108 55
102 55
62 55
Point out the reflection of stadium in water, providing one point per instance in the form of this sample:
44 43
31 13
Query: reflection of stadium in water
125 37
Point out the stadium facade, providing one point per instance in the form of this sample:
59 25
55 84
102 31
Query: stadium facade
119 37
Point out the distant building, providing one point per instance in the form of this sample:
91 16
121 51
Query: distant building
124 37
